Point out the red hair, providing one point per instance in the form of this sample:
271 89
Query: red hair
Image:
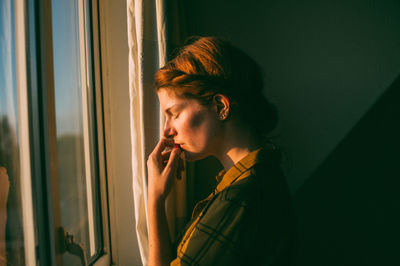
206 66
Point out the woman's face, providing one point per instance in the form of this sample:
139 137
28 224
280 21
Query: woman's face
193 126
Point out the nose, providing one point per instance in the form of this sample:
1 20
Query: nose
169 130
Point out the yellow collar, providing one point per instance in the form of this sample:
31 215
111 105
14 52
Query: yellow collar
238 171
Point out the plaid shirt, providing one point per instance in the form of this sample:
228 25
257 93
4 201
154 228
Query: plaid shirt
247 220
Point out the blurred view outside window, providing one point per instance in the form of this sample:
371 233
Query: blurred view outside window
11 231
75 132
80 215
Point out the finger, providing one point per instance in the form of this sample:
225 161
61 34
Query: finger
173 159
180 167
165 157
161 145
166 154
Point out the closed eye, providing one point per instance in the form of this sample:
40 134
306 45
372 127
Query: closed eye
174 111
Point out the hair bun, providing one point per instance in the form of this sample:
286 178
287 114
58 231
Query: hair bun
262 115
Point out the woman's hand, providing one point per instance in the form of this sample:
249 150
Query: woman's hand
162 168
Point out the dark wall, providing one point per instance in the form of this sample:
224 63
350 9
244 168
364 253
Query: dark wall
326 63
331 68
349 208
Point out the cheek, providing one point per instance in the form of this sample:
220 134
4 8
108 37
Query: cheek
197 121
196 126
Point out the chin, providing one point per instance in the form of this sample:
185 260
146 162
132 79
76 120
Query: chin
194 156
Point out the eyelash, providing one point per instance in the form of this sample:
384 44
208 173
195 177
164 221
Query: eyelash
173 116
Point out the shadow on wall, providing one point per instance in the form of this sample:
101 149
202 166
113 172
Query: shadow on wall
349 209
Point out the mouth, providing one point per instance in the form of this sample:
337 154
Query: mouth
181 146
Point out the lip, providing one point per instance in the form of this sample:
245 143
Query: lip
180 145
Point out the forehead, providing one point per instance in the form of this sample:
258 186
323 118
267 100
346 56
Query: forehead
168 99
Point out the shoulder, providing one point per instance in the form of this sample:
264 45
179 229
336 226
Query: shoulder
265 176
238 194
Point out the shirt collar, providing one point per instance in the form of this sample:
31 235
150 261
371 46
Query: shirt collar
238 171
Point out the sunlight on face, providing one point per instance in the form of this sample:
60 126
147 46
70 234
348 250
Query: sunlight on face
191 125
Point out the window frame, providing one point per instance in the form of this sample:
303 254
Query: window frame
105 259
42 133
116 102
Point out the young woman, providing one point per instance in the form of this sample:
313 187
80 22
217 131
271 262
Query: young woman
211 95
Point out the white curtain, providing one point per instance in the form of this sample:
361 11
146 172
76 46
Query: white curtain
154 29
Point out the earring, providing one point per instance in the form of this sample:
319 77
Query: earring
222 116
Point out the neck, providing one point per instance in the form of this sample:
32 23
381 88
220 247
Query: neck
235 145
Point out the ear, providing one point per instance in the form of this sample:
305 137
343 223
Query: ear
222 106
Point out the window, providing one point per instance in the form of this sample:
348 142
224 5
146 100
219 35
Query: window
12 183
53 200
75 126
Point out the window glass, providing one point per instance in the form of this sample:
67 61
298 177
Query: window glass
11 232
74 119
